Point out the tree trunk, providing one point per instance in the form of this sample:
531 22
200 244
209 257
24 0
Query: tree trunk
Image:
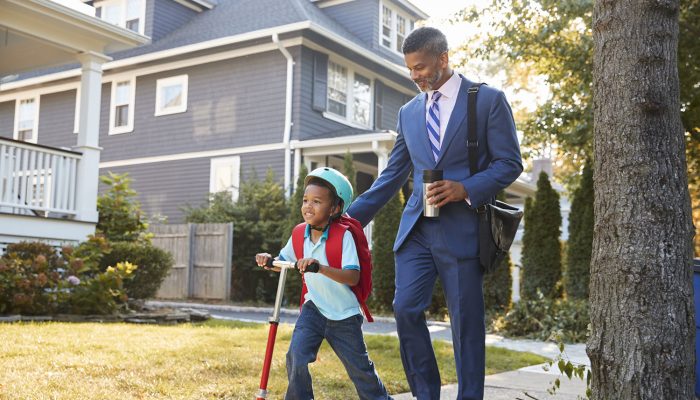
642 313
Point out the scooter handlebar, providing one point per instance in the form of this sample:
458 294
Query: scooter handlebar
314 267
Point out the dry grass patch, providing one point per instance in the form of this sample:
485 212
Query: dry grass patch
217 360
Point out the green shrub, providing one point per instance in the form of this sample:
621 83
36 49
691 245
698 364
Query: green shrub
29 279
498 287
580 246
541 258
259 218
153 266
386 225
543 318
34 280
120 215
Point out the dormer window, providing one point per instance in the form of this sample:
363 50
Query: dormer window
129 14
395 27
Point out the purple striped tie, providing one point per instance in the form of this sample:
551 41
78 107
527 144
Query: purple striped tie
432 120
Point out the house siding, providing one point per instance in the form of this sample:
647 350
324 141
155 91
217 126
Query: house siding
164 16
311 124
7 118
360 17
231 103
57 119
164 188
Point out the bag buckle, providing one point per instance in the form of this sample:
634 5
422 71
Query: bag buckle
473 89
481 209
471 144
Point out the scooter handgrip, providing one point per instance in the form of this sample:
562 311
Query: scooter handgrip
269 263
314 267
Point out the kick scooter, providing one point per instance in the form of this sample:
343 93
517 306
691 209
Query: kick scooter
275 319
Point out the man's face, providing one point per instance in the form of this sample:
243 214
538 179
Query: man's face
426 70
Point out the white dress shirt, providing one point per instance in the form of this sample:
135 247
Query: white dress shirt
446 102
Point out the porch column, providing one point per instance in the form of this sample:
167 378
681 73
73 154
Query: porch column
88 135
382 156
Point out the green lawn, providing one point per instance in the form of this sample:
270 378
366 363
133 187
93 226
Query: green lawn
216 360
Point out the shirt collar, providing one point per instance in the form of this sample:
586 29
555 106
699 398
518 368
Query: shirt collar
307 232
449 89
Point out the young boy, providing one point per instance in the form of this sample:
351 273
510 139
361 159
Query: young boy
331 310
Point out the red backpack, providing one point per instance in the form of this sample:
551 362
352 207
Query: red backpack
334 253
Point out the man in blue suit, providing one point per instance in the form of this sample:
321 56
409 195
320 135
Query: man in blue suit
432 134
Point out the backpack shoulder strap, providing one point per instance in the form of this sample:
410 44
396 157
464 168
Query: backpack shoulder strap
298 240
298 245
334 245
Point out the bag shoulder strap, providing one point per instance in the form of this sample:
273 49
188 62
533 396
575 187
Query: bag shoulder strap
472 138
334 245
298 240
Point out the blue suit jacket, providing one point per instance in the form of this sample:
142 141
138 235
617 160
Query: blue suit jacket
499 161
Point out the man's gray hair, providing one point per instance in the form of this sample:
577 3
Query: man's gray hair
427 39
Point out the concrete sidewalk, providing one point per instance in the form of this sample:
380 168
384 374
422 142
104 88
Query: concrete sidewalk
526 383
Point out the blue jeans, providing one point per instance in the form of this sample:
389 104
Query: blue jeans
345 338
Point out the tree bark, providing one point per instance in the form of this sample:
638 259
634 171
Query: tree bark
642 311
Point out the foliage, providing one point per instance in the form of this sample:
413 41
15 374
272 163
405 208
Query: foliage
570 369
35 280
292 287
689 76
386 225
498 287
541 247
580 244
541 318
120 215
553 40
153 266
259 218
350 173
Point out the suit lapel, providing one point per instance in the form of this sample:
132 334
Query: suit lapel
459 114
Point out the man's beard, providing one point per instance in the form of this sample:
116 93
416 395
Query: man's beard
430 83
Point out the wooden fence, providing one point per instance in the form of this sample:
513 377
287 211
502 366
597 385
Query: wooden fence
202 254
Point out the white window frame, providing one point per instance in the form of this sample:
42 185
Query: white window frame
182 80
35 128
347 119
129 127
408 21
122 13
235 162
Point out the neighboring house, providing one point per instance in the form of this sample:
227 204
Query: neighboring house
48 191
229 88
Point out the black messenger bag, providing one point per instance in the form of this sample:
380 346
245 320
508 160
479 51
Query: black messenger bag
498 221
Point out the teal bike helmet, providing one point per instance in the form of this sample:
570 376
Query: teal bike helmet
341 184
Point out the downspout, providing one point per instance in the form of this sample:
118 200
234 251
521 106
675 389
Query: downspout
287 116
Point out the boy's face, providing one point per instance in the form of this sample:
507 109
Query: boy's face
317 206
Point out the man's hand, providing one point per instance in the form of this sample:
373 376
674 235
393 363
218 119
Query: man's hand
442 192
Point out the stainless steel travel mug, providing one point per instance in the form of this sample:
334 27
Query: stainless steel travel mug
430 176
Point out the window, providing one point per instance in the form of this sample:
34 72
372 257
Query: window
128 14
121 115
349 95
395 27
337 89
386 26
225 176
27 119
171 95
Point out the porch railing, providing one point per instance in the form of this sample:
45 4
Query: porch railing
37 180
